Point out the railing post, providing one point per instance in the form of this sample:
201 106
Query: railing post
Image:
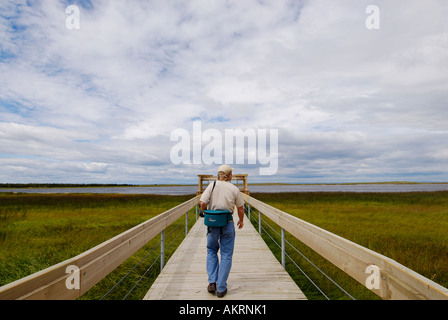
248 210
196 211
162 249
186 224
259 222
283 248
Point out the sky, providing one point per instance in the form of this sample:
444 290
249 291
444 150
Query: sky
117 97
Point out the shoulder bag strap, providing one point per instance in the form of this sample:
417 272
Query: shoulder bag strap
214 184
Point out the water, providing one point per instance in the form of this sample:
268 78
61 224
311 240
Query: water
186 190
352 188
175 190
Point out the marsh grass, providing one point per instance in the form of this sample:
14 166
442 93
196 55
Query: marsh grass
411 228
40 230
133 278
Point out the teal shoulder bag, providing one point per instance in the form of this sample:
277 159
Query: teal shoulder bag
217 218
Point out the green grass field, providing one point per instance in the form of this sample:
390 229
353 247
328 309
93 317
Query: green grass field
40 230
411 228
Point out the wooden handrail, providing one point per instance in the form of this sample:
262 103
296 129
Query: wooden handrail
395 280
94 264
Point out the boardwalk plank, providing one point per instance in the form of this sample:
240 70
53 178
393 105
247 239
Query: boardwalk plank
256 274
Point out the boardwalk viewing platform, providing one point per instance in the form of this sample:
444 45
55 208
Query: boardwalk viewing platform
256 274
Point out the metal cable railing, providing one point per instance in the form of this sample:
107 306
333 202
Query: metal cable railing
153 263
130 271
158 258
96 263
300 269
285 254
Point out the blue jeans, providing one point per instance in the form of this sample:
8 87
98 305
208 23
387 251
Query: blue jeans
219 272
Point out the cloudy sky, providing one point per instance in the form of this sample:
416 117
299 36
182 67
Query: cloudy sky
100 104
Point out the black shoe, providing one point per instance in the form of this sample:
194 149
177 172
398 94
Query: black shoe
221 294
211 287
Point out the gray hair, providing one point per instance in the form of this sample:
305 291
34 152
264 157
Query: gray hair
224 176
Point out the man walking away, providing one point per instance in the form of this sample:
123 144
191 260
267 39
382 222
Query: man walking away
224 196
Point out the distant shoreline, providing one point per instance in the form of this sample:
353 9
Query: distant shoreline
343 183
80 185
108 185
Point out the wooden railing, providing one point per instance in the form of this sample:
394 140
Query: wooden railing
394 281
92 265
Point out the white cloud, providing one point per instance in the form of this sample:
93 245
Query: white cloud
349 103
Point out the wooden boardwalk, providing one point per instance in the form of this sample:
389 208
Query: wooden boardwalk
255 275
